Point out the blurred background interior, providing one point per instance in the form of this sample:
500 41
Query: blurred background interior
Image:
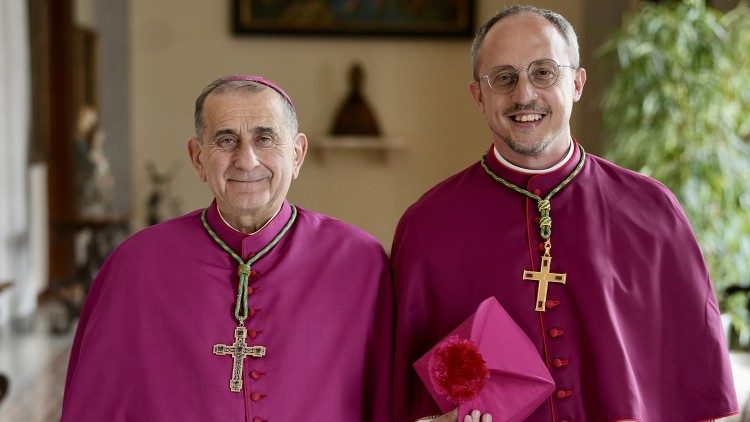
96 103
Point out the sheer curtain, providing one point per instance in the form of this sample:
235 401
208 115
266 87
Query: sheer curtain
15 93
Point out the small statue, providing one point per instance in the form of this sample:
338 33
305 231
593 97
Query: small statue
94 181
161 203
354 116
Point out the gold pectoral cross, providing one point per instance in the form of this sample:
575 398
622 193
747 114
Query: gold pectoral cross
544 277
239 351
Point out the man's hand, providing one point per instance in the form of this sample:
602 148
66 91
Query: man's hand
474 416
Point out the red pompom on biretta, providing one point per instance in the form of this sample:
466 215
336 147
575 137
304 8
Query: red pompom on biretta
457 370
486 363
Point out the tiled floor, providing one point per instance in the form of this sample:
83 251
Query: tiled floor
35 362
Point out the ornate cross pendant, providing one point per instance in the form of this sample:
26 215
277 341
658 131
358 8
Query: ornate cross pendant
544 277
239 351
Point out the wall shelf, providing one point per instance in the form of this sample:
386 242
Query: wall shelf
376 148
364 143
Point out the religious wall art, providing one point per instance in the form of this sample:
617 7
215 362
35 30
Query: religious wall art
354 17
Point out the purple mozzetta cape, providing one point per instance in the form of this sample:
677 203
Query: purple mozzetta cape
321 303
634 334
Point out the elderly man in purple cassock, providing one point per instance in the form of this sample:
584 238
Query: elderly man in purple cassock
252 309
597 264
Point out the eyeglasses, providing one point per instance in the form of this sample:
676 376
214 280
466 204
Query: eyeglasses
541 73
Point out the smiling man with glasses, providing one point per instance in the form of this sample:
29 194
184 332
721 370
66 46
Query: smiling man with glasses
598 265
531 78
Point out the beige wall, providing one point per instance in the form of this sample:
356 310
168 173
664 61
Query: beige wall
418 89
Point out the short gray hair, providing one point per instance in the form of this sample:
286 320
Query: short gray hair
230 83
556 19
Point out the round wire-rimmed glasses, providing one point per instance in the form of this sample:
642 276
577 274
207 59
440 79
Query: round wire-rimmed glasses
541 73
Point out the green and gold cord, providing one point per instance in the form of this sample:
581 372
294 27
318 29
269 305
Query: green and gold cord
245 268
543 204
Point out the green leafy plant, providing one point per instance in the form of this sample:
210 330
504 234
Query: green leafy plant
678 110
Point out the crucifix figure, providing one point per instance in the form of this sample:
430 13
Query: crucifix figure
544 277
239 351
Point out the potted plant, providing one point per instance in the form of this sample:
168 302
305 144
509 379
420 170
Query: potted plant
678 110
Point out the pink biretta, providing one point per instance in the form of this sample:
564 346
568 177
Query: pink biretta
517 378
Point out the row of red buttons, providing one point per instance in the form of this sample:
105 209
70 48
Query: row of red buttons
559 363
556 333
255 374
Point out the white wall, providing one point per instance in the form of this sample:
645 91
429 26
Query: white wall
417 87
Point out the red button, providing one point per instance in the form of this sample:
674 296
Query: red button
252 311
556 332
541 247
253 273
258 420
561 394
551 303
249 290
559 363
256 396
537 192
254 333
256 374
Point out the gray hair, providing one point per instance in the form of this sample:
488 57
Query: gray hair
229 83
556 19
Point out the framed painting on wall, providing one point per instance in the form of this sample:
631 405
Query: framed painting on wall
354 17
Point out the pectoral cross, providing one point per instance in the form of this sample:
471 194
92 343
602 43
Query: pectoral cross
239 351
544 277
